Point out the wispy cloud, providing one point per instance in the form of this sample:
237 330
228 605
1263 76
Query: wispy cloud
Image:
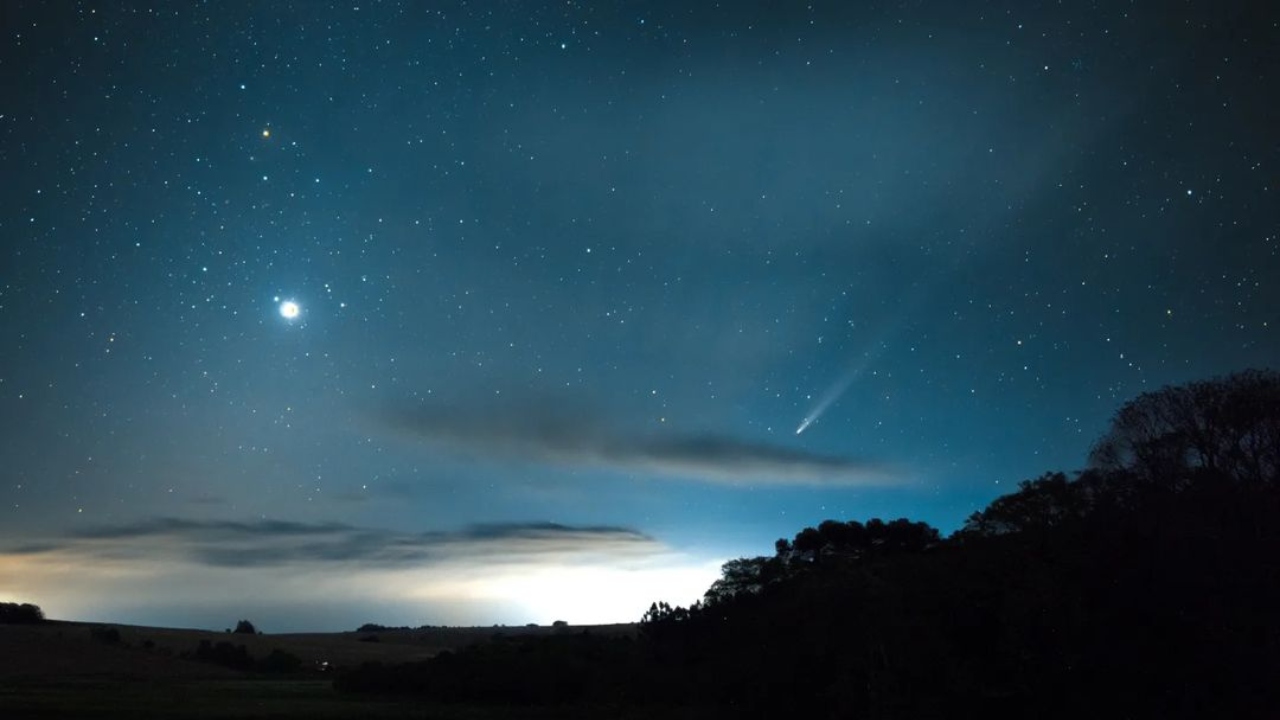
559 433
277 542
290 571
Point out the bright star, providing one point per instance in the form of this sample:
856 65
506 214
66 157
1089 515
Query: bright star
289 309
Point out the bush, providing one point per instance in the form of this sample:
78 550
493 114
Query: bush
280 661
24 614
237 657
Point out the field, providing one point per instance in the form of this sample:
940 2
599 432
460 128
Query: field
72 670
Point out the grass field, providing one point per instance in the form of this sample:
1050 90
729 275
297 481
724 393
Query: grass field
60 670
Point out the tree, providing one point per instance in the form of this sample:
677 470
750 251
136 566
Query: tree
1224 428
1041 504
245 627
743 576
24 614
853 541
662 612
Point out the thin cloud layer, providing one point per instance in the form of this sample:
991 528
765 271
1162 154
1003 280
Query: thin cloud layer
200 573
223 543
559 434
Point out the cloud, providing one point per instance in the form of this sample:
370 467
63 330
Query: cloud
308 576
560 433
267 543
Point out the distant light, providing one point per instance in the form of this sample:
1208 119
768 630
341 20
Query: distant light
289 309
266 132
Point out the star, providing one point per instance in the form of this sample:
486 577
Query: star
289 310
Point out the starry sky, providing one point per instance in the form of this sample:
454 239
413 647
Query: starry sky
417 313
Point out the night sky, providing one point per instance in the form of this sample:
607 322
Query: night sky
501 312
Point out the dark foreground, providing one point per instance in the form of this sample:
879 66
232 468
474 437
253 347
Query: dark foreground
193 698
258 699
85 670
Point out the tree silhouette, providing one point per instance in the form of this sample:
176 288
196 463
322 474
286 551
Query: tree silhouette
853 541
245 627
1222 428
1047 502
20 614
743 576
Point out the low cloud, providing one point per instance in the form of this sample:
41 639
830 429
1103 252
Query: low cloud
295 576
556 433
264 543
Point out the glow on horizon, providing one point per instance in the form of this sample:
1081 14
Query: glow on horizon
174 592
600 595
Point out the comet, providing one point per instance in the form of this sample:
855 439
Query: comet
834 392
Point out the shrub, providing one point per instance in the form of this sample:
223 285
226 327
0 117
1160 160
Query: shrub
279 661
24 614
